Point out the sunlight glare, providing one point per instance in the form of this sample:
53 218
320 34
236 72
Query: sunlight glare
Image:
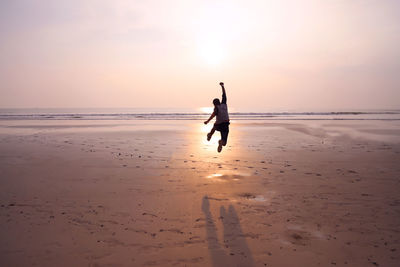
207 110
214 175
217 27
212 52
206 128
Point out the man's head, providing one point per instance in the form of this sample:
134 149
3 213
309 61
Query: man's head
216 102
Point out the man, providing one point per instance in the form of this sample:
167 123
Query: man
222 122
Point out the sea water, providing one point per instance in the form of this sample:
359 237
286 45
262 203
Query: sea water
188 114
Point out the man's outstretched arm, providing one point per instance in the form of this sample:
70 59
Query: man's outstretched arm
223 93
211 117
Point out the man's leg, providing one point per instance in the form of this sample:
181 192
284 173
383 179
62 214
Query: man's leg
219 149
210 134
224 138
222 141
224 135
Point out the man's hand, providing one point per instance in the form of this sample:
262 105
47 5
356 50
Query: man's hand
205 122
222 84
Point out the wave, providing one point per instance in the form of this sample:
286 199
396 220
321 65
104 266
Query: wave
332 115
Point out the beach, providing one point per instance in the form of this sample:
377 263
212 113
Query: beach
156 193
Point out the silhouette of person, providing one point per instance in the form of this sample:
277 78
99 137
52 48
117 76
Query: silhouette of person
222 121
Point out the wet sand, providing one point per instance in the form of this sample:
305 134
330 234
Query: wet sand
153 193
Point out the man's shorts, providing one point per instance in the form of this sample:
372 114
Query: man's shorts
224 129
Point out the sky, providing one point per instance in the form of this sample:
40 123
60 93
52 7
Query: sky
272 55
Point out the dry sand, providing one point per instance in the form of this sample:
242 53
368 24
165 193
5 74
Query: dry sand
153 193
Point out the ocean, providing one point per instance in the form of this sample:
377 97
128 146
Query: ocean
188 114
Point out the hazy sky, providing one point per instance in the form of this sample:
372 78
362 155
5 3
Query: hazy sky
286 54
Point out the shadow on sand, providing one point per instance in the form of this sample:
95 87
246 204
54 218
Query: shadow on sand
234 250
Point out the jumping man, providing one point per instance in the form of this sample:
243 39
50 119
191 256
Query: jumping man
222 122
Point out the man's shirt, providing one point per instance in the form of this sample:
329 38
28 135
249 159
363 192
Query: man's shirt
221 111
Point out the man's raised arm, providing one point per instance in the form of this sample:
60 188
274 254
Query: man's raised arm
223 93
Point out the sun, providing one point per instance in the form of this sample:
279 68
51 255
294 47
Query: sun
212 52
216 29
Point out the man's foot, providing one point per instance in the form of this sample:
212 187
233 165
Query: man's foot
209 135
219 146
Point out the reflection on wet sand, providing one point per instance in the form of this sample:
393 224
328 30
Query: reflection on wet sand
234 251
225 176
210 147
